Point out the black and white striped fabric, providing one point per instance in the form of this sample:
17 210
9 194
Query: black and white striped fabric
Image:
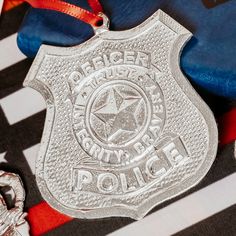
207 209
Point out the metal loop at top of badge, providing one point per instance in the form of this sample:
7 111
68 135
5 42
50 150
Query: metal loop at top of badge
104 26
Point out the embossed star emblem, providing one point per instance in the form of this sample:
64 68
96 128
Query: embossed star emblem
118 113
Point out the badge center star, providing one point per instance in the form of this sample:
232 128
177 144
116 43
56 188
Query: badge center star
118 113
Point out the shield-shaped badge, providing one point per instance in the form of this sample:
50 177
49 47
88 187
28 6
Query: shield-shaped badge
124 129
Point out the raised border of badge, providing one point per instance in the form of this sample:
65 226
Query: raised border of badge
94 127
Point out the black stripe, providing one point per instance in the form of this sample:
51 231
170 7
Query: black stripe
12 77
23 134
10 142
90 227
223 166
220 224
10 21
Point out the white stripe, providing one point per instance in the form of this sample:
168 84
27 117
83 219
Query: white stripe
2 157
185 212
9 52
22 104
1 3
31 155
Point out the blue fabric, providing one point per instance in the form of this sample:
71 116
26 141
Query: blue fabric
209 59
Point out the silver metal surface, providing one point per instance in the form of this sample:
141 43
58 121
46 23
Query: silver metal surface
124 130
104 26
12 220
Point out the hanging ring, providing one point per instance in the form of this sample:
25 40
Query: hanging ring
105 23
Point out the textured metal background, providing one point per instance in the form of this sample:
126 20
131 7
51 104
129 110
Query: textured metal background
186 116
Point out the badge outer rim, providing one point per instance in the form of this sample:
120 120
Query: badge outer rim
183 36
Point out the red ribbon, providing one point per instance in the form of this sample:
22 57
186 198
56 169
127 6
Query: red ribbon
79 13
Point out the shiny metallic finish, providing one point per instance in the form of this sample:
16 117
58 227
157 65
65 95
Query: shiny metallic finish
12 221
124 130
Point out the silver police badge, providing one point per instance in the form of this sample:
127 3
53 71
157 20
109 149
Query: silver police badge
124 129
